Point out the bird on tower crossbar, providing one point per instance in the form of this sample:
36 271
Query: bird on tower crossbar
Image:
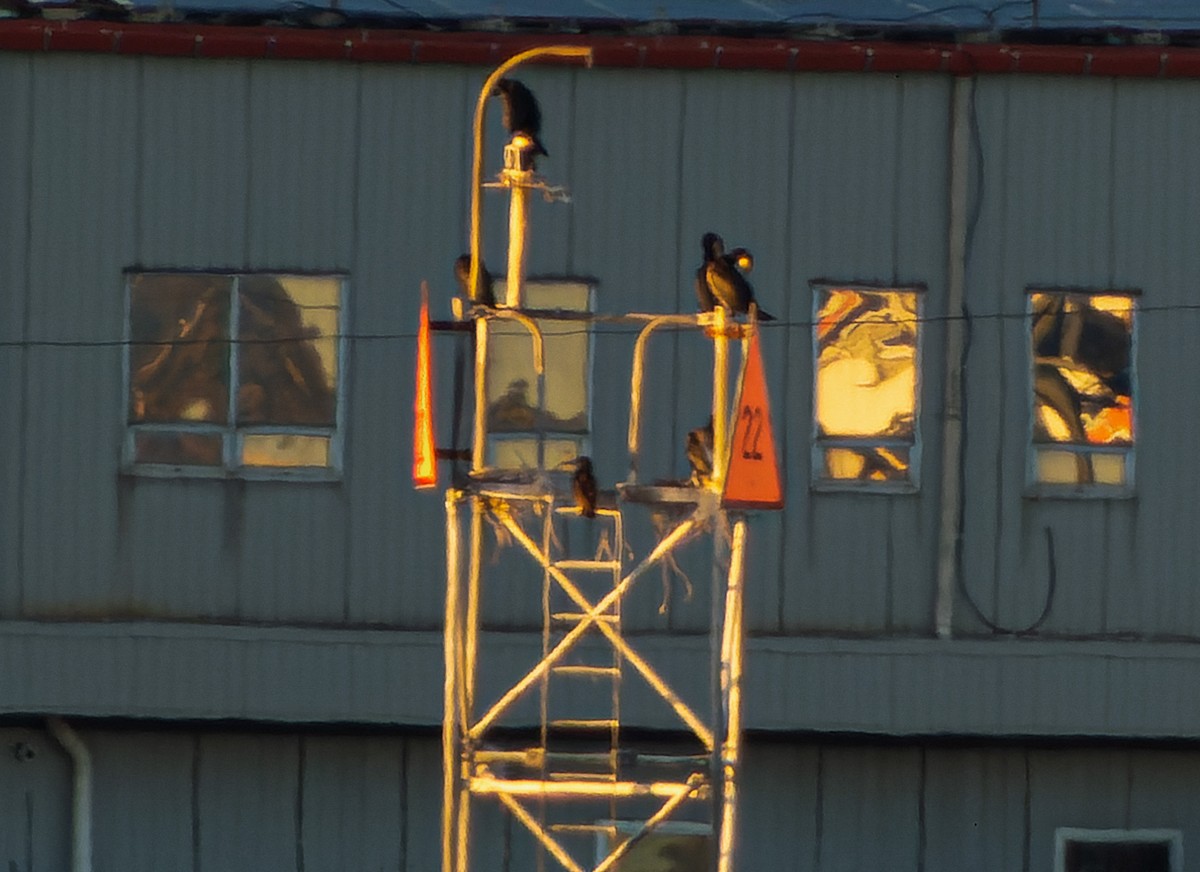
583 485
723 282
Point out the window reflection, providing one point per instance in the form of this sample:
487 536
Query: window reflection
285 450
179 350
281 371
511 382
1082 386
865 391
287 361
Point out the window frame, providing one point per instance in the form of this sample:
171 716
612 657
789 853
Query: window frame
232 435
819 445
494 438
1035 489
1171 837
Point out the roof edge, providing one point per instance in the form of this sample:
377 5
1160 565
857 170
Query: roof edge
641 52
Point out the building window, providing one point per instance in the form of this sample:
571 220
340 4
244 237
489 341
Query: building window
675 846
1079 850
515 422
866 380
234 374
1082 349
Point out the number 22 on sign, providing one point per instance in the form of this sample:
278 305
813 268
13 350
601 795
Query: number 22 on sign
752 480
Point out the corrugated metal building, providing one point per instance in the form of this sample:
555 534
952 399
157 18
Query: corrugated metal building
983 657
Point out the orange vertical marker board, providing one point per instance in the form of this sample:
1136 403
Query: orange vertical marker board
752 480
425 472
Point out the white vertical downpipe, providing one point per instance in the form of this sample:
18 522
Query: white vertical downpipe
81 793
950 527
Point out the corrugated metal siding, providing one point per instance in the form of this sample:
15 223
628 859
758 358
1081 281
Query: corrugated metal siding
15 102
354 811
303 178
179 545
1156 183
883 787
34 831
245 801
1082 185
974 805
142 799
411 204
868 159
627 181
81 231
194 166
335 166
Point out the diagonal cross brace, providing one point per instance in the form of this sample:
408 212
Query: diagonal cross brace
651 823
592 613
676 798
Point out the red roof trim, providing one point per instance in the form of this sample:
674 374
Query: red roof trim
653 52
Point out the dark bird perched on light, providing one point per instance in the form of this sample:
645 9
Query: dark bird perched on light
521 112
738 259
724 280
700 453
482 293
584 486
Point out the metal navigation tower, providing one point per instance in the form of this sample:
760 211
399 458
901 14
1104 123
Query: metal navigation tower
587 795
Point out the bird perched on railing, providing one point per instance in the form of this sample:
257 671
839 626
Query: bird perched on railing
739 258
482 292
700 453
723 282
522 115
704 297
583 484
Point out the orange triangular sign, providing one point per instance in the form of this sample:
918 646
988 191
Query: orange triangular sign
752 479
425 472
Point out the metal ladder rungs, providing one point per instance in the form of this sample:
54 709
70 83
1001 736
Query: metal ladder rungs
576 617
585 723
575 510
583 829
587 671
597 565
582 776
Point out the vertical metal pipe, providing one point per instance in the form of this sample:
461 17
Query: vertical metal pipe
81 793
470 626
479 442
716 682
733 647
518 234
450 729
950 526
463 842
720 406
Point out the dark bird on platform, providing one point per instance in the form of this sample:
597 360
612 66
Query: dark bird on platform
700 453
521 112
724 279
704 297
584 486
483 292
